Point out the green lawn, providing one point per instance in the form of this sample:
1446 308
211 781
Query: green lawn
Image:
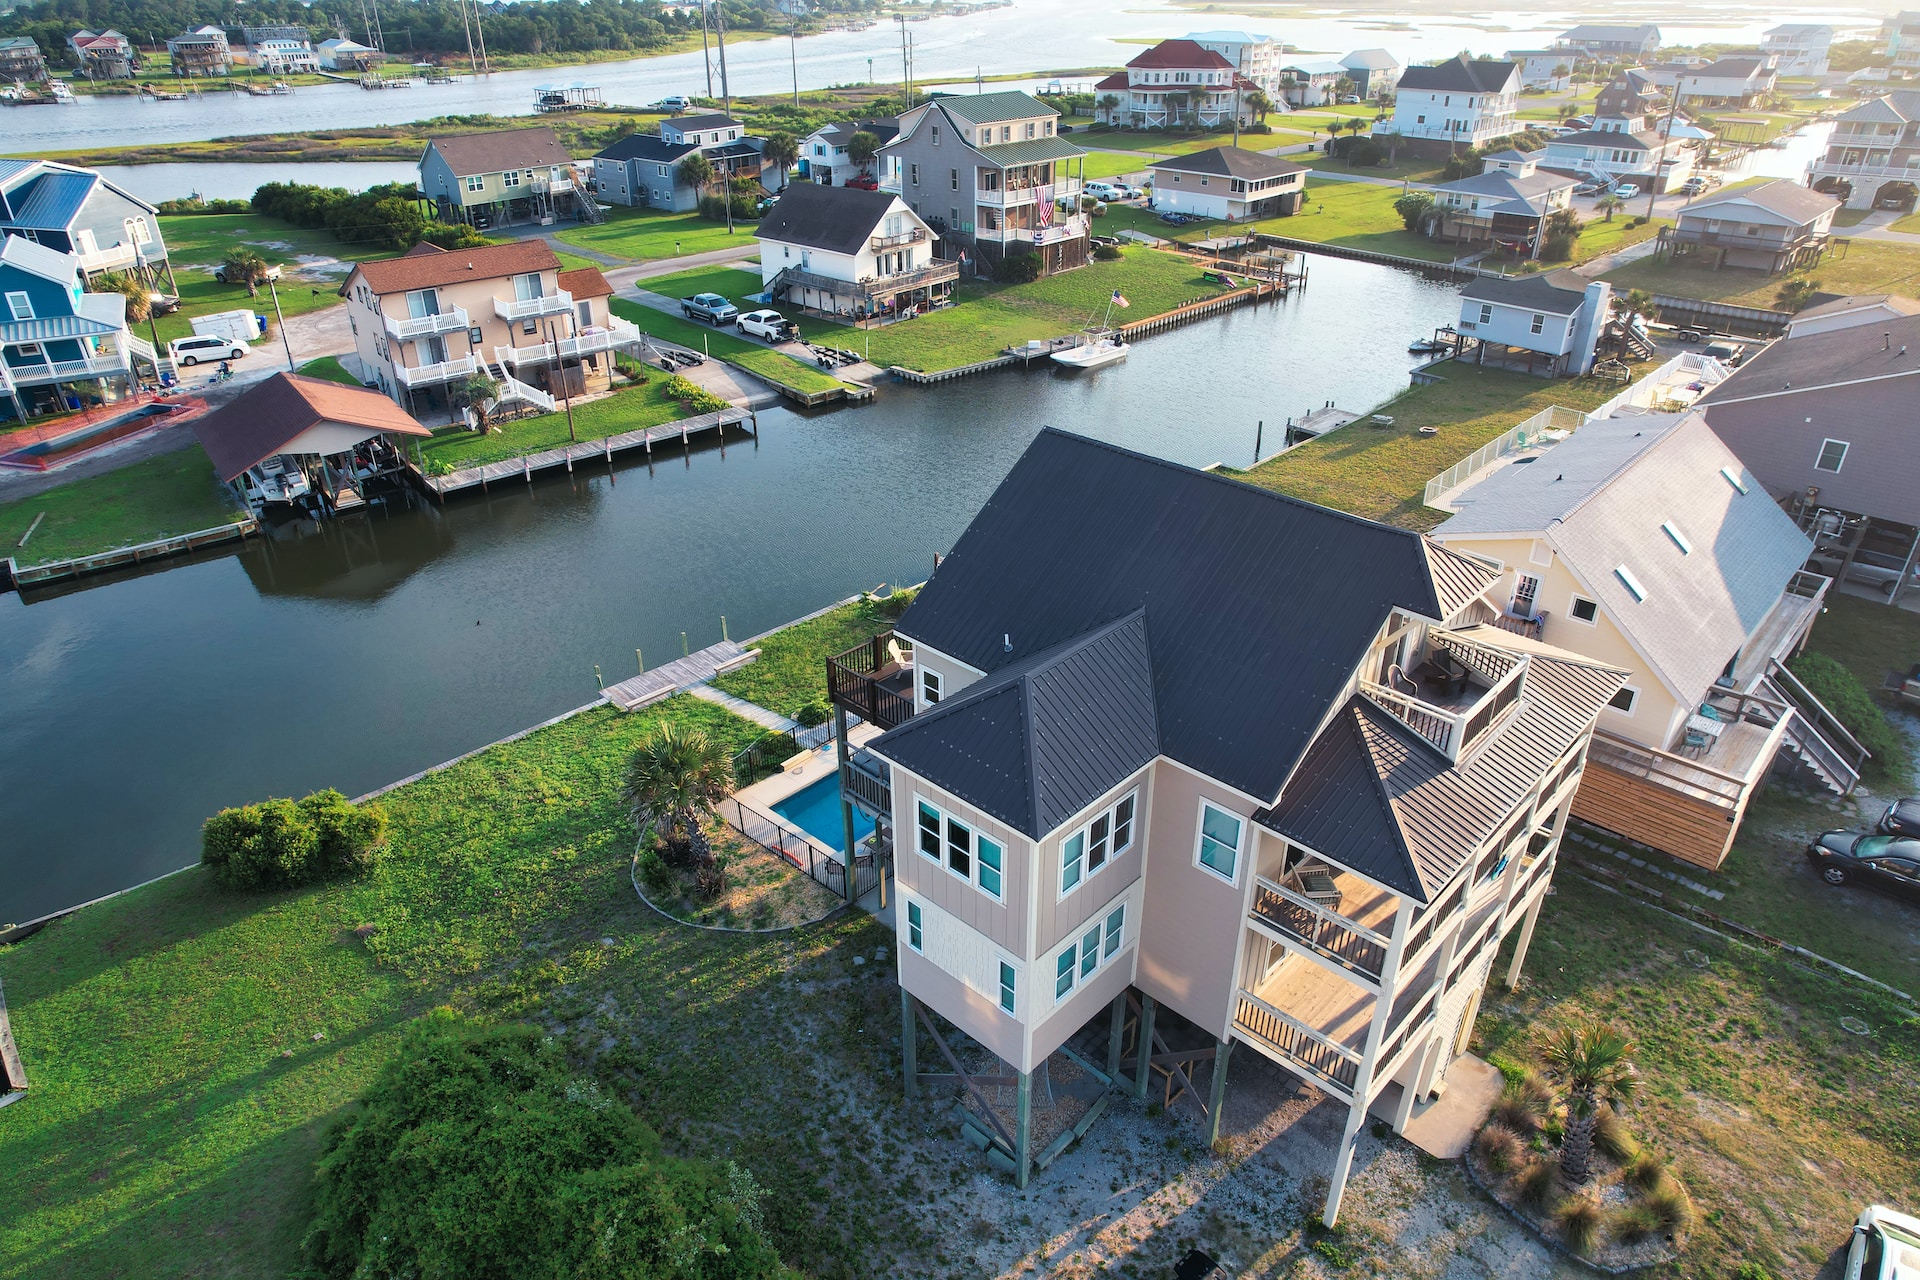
625 410
574 262
172 494
1403 169
1112 164
656 233
791 671
1598 236
1867 638
1167 144
329 368
1381 473
723 344
197 242
1864 266
1355 215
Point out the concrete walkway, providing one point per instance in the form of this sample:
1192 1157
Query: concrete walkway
745 710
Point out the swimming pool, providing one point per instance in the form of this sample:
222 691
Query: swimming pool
815 809
84 438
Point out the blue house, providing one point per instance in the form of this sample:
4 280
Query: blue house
57 341
73 210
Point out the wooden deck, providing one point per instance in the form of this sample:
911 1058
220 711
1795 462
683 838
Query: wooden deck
670 678
1685 807
524 467
1330 1006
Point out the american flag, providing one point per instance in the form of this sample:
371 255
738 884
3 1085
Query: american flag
1044 198
1119 301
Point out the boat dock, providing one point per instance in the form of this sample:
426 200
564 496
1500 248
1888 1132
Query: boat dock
13 575
1317 423
670 678
525 466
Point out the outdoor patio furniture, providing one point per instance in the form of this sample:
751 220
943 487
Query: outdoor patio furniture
1696 743
1439 672
1317 884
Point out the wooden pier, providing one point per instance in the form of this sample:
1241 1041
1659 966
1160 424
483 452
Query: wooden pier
14 575
527 465
670 678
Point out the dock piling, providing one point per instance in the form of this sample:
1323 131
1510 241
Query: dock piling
640 660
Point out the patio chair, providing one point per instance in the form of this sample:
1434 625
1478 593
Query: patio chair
1710 712
1696 743
1316 883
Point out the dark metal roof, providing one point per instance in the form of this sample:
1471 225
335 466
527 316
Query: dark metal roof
1374 797
1555 292
832 219
1037 742
645 146
1258 605
1460 74
700 124
1234 162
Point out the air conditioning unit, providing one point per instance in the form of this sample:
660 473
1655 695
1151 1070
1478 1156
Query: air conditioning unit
1468 324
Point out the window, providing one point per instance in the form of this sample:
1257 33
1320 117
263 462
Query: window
1486 313
915 938
1106 836
1090 952
1732 477
20 305
1116 928
1623 700
1539 323
929 824
1832 454
929 686
1585 610
992 862
960 849
1072 860
953 179
474 336
1030 128
529 327
1631 583
914 170
1220 833
476 182
511 179
1006 986
1526 589
936 140
1063 974
1678 538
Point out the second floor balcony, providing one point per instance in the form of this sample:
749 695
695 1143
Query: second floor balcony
1763 238
550 304
880 244
619 335
874 680
1452 693
407 328
428 375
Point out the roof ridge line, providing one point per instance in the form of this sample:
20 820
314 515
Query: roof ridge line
1380 784
1601 485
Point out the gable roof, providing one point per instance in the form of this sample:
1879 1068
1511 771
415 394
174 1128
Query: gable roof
1846 303
1600 499
645 146
1620 139
586 282
1899 107
841 132
1599 32
992 108
1558 293
1235 162
37 259
832 219
466 153
1783 196
1257 605
1227 37
265 419
1460 74
1530 190
701 123
1730 69
1030 152
1886 349
417 270
1184 54
49 195
1037 742
1370 60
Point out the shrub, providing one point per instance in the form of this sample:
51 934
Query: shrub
1367 154
654 871
1524 1104
813 713
715 209
1499 1146
1634 1223
1670 1204
1106 252
697 398
1018 268
1855 708
1646 1171
1580 1219
195 204
1610 1136
281 844
476 1152
1538 1185
457 235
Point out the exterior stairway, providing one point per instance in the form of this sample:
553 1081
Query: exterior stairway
1632 340
511 388
1816 739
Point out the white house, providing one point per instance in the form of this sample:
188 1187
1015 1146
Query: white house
1798 48
346 55
1622 149
1850 311
1373 71
1549 69
823 153
1735 82
1228 183
1507 204
1311 84
1558 315
1175 83
1462 100
1605 43
1900 38
1255 57
852 253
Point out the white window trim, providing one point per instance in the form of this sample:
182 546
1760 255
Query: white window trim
1000 959
945 858
1846 447
1633 703
1573 617
930 686
1083 829
1073 947
1239 849
20 304
908 908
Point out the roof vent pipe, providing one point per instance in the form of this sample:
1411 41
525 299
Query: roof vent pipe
1006 642
1887 339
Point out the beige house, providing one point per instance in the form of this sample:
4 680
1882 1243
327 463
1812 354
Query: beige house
1643 543
425 323
1141 752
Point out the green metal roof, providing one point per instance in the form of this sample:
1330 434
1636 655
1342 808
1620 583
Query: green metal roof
991 108
1033 152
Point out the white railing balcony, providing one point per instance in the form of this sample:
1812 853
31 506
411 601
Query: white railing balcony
408 328
555 185
551 304
880 244
111 258
618 336
39 372
135 345
427 375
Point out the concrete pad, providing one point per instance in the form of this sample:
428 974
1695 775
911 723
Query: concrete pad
1445 1127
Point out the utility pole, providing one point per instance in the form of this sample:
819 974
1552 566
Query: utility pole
793 54
906 77
720 34
466 20
566 387
1666 138
706 55
277 319
1236 107
480 34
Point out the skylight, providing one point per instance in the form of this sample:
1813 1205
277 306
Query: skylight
1679 539
1733 478
1630 582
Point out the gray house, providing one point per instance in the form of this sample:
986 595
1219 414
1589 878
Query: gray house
642 170
73 210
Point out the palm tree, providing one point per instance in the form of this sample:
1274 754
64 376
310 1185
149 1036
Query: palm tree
1176 104
1608 203
1594 1065
696 171
780 150
244 266
479 393
676 778
862 147
1260 104
132 288
1107 103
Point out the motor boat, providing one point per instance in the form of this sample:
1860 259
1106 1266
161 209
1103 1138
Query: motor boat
1425 346
278 479
1096 354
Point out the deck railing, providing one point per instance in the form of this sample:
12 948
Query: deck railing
1347 943
863 783
528 308
854 681
407 328
1325 1060
1520 436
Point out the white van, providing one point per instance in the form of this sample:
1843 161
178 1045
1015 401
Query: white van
205 347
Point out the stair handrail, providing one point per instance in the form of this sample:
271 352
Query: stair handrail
1795 692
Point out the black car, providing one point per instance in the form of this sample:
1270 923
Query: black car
1902 818
1885 862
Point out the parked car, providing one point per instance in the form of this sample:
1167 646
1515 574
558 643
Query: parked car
1884 1245
1100 190
1880 569
770 325
863 181
1113 241
674 102
1902 818
220 273
711 307
203 346
1693 186
1580 122
1627 190
1350 100
1886 862
1590 188
1125 191
1727 352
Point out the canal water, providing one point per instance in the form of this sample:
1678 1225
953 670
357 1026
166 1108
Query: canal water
238 181
1030 36
365 649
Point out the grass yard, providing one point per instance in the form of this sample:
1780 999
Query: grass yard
791 671
1161 142
725 344
160 497
1381 473
1405 169
574 262
197 242
1113 164
1866 267
1866 637
1598 236
641 234
629 409
331 369
1355 215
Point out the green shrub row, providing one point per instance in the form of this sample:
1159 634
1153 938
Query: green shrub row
280 844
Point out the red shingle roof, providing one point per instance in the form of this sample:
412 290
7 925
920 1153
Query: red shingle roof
260 423
587 282
1184 54
1118 80
416 270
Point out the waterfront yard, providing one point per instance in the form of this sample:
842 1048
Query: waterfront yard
315 263
641 234
627 409
790 674
159 497
1865 266
1380 472
723 343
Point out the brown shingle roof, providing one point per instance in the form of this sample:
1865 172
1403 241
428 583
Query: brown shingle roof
587 282
259 424
501 150
417 270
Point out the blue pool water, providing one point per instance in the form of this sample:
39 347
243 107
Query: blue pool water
816 810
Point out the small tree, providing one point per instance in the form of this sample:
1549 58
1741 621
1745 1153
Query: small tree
780 150
696 171
1260 104
1109 103
1413 208
862 147
1795 294
1608 203
243 266
675 780
1594 1066
1635 302
1177 106
479 393
1393 140
131 287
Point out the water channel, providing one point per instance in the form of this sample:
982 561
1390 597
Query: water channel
360 651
